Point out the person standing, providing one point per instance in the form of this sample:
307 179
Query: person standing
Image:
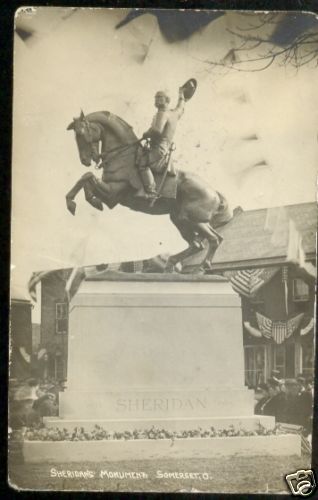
276 404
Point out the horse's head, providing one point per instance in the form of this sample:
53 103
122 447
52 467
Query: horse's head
88 135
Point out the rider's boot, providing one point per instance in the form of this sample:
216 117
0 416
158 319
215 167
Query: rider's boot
149 183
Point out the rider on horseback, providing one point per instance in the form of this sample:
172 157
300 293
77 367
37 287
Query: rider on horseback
156 153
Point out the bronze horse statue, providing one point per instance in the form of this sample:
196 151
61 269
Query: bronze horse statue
196 210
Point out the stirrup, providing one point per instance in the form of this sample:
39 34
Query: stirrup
152 195
153 198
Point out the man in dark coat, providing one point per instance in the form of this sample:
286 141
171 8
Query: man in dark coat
276 404
292 402
305 407
263 398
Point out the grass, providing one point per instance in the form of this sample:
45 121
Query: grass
234 474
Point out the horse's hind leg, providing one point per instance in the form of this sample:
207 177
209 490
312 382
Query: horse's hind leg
206 230
179 257
188 235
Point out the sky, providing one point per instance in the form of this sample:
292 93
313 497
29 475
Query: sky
77 60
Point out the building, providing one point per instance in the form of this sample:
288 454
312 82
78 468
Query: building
270 255
278 326
277 321
54 322
20 336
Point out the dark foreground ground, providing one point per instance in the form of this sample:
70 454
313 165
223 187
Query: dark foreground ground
221 475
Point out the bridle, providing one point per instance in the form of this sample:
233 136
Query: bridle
87 135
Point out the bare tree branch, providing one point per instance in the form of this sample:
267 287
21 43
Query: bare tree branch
300 51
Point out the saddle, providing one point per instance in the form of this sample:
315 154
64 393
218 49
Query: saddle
166 181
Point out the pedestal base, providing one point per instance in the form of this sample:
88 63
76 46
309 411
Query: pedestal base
98 451
162 351
180 424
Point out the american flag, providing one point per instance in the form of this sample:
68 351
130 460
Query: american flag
285 285
279 331
265 325
76 275
249 281
308 327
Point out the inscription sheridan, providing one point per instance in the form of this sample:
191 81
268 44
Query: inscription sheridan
159 404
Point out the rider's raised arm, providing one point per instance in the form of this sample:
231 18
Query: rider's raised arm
179 109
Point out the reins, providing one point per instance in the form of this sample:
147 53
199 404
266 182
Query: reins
117 150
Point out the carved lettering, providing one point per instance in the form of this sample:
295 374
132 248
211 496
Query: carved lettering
159 405
147 404
133 404
121 405
201 403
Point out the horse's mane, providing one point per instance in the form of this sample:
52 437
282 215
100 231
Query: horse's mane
118 126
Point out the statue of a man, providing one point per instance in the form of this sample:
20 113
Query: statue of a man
160 136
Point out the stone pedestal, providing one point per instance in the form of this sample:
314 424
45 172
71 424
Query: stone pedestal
163 351
145 349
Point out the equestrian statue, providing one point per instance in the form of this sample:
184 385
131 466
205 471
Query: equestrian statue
140 174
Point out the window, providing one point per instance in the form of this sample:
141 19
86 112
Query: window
300 290
280 359
307 359
255 365
59 371
61 316
284 359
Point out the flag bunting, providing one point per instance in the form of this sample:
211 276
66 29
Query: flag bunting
249 281
279 331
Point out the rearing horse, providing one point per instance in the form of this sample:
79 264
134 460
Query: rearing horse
196 211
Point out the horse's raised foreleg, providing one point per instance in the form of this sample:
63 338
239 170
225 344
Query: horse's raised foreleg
90 193
70 203
88 183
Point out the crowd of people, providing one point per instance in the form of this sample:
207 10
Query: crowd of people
290 401
32 400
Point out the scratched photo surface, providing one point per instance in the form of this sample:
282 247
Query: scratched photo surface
162 306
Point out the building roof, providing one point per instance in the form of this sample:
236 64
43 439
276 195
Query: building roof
267 236
252 239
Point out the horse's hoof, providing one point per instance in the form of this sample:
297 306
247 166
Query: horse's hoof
71 206
172 268
97 203
195 269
